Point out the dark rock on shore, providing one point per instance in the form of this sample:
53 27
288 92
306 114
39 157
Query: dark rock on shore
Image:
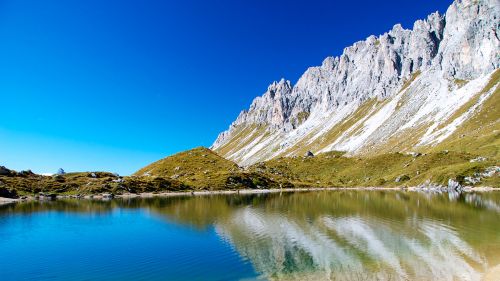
8 193
108 196
402 178
47 196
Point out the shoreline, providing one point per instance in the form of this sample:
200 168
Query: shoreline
107 196
5 201
276 190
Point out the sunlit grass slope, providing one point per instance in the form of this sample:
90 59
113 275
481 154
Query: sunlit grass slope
392 169
201 168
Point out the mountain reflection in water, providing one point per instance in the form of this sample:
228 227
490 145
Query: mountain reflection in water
335 235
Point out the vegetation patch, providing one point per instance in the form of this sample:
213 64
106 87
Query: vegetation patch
460 82
301 117
391 169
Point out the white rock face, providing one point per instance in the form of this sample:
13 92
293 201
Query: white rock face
411 74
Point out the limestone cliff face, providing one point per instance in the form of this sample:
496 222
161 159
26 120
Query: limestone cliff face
271 108
376 88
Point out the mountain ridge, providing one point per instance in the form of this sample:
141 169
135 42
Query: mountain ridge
403 85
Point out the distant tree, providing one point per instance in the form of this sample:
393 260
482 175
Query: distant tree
60 172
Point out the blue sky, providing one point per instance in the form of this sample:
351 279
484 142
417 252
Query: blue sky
114 85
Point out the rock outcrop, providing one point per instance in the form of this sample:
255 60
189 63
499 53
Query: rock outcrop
4 171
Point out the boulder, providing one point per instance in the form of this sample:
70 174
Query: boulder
309 154
454 185
4 171
478 159
402 178
414 154
7 193
47 196
108 195
26 173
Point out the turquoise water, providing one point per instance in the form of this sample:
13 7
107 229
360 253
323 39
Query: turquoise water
117 244
344 235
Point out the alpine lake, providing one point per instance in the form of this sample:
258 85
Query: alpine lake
320 235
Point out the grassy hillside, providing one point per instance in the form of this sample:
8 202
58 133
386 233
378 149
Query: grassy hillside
196 161
333 169
26 183
201 168
196 169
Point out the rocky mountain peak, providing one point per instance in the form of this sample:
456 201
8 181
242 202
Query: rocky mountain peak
470 44
461 45
279 87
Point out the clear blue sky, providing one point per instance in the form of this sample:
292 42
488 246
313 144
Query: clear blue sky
114 85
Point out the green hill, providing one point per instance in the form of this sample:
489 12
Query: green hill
201 168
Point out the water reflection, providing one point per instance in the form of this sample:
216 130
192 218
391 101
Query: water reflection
344 235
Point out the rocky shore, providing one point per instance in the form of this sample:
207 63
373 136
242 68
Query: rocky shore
433 189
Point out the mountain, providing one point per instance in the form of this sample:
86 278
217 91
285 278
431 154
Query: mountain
429 88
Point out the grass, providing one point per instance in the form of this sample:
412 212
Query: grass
195 161
196 169
460 82
203 169
301 118
85 183
331 169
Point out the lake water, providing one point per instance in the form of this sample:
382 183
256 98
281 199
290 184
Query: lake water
326 235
